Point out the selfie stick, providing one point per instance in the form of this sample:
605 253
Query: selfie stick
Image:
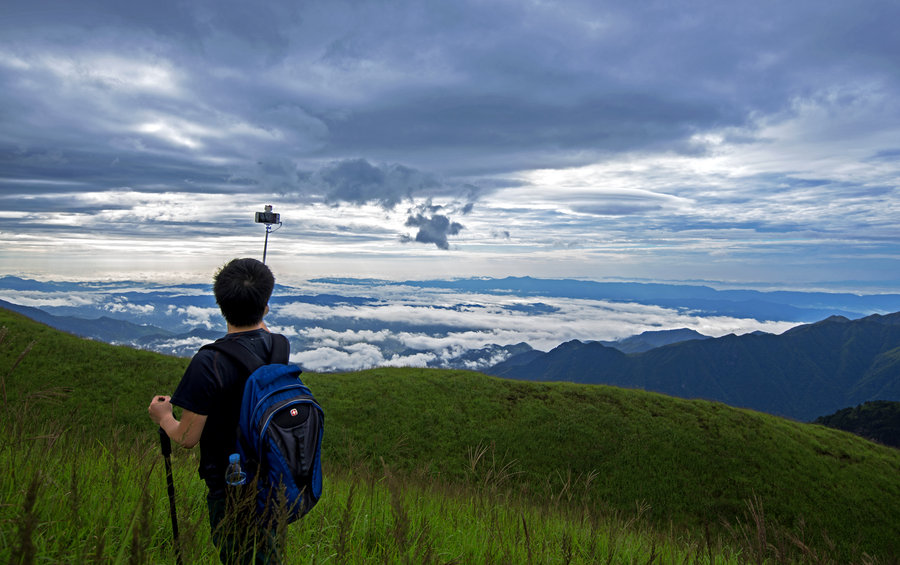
269 218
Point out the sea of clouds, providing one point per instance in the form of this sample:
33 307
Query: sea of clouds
358 324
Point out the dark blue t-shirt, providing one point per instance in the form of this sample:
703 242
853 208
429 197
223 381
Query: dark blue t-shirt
212 386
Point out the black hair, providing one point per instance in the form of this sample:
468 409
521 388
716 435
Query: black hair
242 289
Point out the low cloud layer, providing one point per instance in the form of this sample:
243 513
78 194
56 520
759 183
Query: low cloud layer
363 324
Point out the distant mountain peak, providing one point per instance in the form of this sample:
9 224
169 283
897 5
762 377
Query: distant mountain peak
803 373
652 339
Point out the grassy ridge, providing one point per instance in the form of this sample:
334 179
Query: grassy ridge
610 451
99 386
693 462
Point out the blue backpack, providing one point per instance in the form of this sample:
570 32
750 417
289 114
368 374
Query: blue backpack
280 430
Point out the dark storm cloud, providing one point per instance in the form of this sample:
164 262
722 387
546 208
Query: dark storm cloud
499 132
439 88
357 181
354 182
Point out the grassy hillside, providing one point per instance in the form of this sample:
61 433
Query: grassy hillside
691 466
692 462
99 386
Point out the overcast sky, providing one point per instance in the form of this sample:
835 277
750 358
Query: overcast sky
751 142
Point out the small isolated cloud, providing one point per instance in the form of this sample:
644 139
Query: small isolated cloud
332 338
356 357
434 228
197 316
180 346
353 358
481 364
415 360
289 331
121 305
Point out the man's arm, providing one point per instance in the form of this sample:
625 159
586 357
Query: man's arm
185 432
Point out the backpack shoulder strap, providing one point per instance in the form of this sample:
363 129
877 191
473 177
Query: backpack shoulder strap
281 349
251 361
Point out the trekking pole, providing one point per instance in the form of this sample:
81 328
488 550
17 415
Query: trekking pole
166 445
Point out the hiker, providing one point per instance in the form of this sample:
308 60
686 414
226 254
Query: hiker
209 396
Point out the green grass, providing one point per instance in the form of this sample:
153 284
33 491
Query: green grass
693 462
429 466
99 503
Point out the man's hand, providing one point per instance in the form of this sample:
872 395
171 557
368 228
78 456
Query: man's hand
187 432
159 408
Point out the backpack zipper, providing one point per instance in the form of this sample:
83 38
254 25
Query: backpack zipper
276 391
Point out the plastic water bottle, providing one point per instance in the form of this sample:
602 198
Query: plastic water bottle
234 475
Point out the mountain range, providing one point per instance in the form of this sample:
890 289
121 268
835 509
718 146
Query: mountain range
806 372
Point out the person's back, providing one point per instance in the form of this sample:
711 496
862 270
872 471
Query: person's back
209 395
219 400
